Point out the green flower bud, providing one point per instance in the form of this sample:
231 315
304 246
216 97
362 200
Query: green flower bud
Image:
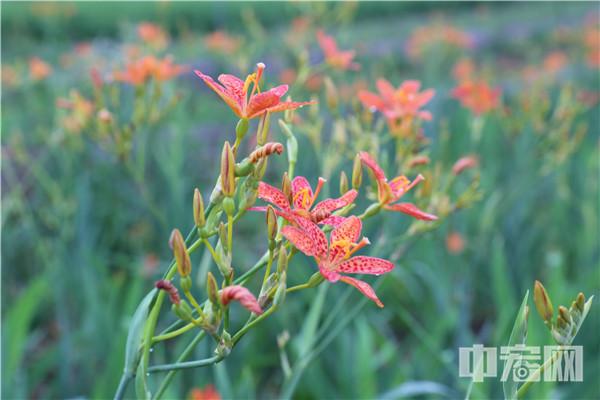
271 225
343 183
227 171
212 289
199 218
282 261
229 205
262 133
542 302
182 258
356 173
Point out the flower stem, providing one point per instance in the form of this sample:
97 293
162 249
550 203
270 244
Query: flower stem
535 376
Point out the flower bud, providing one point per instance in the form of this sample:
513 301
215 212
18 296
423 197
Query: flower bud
199 218
343 183
315 280
262 133
212 288
286 187
564 313
372 210
243 296
227 170
182 258
281 290
418 160
542 302
463 164
356 173
241 128
271 225
259 169
282 261
223 236
266 292
580 302
225 345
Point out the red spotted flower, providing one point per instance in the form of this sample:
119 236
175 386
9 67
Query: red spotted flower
334 257
250 104
390 192
302 200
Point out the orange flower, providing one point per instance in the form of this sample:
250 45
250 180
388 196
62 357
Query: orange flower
250 104
455 243
335 57
555 61
39 69
222 42
463 70
399 105
392 191
208 393
139 71
477 96
153 35
425 37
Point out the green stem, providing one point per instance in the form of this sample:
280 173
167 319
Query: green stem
249 326
298 287
535 376
186 352
173 334
125 379
185 365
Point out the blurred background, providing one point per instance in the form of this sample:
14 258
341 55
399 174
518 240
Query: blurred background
86 213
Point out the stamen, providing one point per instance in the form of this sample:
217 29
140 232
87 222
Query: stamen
317 190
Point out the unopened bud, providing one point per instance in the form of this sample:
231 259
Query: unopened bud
199 218
212 288
262 133
291 143
241 128
580 302
186 283
223 236
343 183
356 173
266 292
183 311
463 164
281 290
227 170
372 210
418 160
286 187
182 258
542 302
259 169
564 313
282 261
271 224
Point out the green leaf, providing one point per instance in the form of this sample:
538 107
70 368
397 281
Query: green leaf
517 336
136 330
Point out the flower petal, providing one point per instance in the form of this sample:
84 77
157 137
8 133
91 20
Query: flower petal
364 288
273 195
235 87
222 92
349 230
318 238
371 100
330 275
259 103
412 210
243 295
330 205
301 192
365 265
333 220
372 164
289 105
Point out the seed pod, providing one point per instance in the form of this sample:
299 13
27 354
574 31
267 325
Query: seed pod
356 173
227 170
315 279
199 218
542 302
228 205
343 183
182 258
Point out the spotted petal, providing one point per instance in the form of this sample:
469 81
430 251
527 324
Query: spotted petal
273 195
222 92
412 210
260 103
364 288
235 87
301 192
319 241
372 164
289 105
300 239
330 205
349 230
365 265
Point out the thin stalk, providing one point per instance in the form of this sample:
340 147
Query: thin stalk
535 376
186 365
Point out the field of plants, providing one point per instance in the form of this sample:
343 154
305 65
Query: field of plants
308 200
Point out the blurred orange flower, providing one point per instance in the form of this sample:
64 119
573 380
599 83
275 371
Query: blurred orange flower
336 58
455 243
208 393
477 96
153 35
222 42
139 71
425 37
555 61
39 69
400 106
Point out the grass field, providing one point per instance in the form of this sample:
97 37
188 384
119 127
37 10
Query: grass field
89 197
